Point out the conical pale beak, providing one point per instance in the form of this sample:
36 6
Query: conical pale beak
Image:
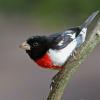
25 46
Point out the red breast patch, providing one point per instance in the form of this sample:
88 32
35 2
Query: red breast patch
46 62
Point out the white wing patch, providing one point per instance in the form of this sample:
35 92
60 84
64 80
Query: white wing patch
61 43
72 35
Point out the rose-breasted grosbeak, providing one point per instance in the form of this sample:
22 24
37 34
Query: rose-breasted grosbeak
54 50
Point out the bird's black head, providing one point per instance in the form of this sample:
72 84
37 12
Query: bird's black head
36 46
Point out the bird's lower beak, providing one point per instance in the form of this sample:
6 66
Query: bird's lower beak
25 46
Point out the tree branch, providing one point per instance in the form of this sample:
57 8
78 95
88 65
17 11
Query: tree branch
62 78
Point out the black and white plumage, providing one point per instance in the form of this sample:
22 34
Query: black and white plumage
57 47
64 45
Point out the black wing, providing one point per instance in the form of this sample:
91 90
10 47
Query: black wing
61 40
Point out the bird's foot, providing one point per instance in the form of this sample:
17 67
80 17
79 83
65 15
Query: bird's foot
74 55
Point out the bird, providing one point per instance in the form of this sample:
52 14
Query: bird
54 50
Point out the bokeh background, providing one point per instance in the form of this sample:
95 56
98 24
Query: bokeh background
21 78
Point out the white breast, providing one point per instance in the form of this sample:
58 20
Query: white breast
59 57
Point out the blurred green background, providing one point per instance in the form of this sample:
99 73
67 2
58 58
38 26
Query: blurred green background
20 77
54 12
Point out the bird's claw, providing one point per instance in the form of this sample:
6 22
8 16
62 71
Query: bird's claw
73 54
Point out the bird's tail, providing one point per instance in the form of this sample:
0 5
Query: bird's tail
89 20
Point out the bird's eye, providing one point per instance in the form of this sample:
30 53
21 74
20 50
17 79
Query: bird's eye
35 44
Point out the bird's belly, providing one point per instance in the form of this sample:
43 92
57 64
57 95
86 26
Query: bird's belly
59 57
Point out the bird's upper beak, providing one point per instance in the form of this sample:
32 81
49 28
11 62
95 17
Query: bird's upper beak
25 46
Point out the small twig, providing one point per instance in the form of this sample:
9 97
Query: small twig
62 78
